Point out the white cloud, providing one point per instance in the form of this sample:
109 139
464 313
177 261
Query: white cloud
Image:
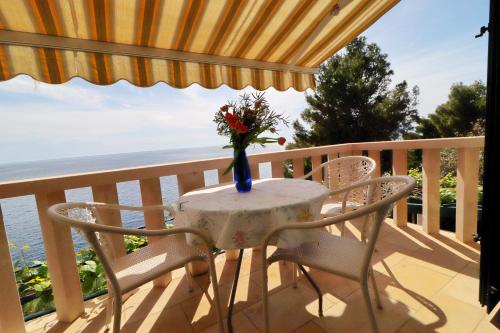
66 92
435 69
161 118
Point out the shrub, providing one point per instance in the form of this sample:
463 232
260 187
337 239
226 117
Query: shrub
447 190
33 280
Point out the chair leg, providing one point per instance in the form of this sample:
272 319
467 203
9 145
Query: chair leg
265 304
118 312
342 229
375 288
215 286
189 278
109 311
295 275
371 314
316 288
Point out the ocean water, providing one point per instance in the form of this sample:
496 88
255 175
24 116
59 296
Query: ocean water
20 214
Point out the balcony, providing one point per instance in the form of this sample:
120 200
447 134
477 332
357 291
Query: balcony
428 277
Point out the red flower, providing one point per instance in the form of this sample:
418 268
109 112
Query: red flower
238 126
281 141
230 117
235 124
224 108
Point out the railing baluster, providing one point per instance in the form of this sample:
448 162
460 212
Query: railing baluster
400 167
109 194
375 155
225 178
151 195
467 181
188 182
61 260
333 156
345 153
316 162
277 169
431 167
254 170
298 167
11 313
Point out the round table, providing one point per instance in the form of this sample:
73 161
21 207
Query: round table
241 220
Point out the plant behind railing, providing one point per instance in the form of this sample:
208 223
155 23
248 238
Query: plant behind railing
447 190
33 280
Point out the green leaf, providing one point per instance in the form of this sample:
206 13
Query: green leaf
228 169
90 266
42 286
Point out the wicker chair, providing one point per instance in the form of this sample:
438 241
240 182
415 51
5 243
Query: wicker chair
340 173
342 256
125 273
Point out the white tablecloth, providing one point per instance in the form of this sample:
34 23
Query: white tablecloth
241 220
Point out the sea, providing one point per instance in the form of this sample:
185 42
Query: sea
20 213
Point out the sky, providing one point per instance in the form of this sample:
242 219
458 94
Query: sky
430 43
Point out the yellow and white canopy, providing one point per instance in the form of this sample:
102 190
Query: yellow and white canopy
262 43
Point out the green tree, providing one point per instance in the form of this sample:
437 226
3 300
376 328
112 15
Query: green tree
353 101
461 115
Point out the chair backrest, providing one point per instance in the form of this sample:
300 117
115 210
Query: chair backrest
381 193
345 171
342 172
86 218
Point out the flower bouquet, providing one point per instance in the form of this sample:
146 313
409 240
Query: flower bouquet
243 122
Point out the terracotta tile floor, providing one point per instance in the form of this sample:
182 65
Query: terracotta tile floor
427 284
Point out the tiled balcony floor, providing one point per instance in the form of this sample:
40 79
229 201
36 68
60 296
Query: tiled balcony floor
428 284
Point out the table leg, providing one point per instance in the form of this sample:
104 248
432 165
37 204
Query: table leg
315 286
233 293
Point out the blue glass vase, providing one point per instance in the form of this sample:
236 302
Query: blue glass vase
242 176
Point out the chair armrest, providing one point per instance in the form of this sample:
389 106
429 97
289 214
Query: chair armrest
308 225
154 232
133 208
310 173
94 227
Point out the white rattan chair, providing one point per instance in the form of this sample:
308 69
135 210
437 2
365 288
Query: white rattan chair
130 271
343 256
341 173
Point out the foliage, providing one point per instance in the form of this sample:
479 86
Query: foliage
417 175
447 188
448 162
288 167
92 276
353 101
448 195
245 120
33 280
134 243
448 181
462 115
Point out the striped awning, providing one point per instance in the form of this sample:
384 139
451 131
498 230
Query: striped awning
261 43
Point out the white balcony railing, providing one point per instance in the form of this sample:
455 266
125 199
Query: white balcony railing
59 245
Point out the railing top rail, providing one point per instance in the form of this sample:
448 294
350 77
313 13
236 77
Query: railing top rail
440 143
64 182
